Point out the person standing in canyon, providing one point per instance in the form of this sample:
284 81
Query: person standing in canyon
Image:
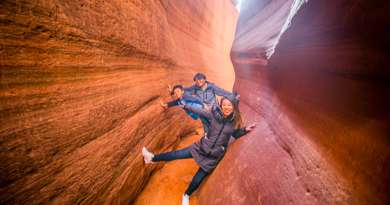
225 121
208 91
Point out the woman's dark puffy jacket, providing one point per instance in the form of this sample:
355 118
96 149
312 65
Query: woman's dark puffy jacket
210 149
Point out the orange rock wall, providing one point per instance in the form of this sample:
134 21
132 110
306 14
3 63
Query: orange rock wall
80 85
81 81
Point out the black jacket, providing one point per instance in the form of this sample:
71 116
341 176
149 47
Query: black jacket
210 149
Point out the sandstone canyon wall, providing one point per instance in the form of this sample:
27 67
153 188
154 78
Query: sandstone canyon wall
322 105
80 89
81 83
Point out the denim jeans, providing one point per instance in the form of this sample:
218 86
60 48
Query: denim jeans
183 154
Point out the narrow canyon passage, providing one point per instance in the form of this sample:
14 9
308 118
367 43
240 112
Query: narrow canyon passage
167 185
81 84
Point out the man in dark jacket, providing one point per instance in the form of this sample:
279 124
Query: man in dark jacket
207 91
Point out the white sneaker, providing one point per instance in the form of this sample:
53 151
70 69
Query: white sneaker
148 156
186 200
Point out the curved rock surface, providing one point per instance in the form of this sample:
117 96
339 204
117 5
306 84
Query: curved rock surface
81 83
321 102
80 89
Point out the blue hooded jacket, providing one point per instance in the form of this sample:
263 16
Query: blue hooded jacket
190 100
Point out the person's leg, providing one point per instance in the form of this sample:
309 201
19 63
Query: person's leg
177 154
196 180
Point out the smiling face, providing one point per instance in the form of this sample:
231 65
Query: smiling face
226 107
200 82
178 93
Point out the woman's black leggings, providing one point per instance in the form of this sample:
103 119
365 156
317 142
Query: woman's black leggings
183 154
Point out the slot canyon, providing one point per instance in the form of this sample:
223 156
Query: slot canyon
81 84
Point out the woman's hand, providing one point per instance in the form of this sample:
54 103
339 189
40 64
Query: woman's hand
163 105
250 127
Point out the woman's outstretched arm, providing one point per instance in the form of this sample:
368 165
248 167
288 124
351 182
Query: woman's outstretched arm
243 131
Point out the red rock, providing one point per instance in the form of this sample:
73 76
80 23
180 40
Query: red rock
81 82
321 103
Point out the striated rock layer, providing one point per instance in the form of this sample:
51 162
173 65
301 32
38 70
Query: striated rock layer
81 83
80 89
322 106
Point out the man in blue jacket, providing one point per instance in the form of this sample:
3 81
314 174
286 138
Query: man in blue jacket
207 91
